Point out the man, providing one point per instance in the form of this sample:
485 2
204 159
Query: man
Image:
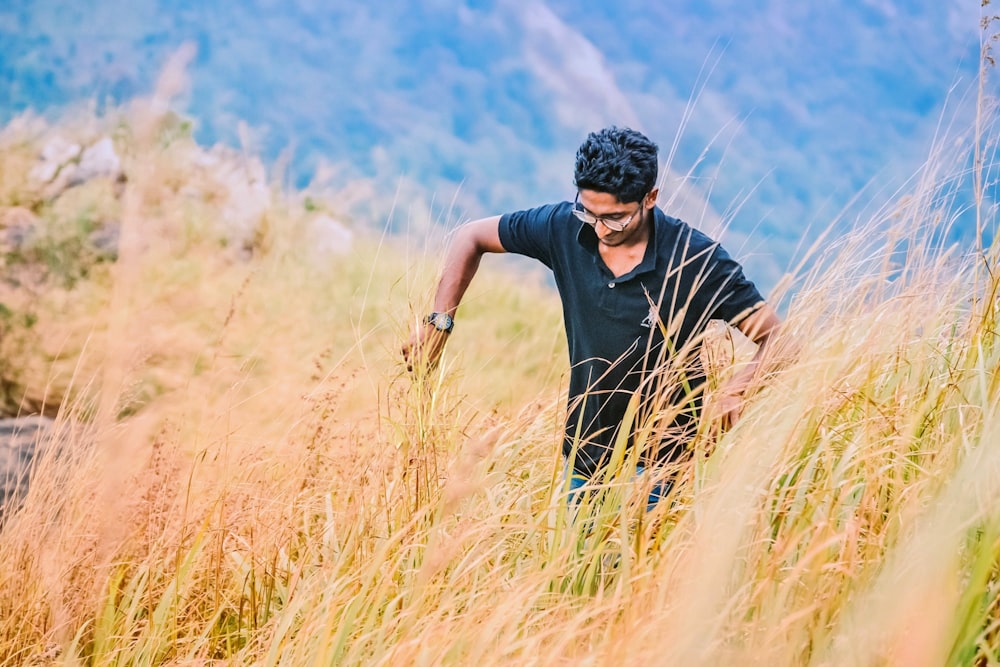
637 288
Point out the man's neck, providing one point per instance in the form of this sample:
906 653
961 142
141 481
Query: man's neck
622 257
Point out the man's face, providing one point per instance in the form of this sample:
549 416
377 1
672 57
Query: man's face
612 213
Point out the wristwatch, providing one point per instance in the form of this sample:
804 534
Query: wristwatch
441 321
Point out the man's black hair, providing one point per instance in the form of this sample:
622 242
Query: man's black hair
619 161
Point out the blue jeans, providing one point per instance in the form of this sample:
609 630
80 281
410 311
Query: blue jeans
577 482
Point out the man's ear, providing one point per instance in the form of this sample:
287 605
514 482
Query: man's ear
650 200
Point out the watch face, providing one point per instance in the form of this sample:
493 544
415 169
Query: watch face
441 321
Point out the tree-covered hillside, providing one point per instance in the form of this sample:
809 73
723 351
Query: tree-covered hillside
783 111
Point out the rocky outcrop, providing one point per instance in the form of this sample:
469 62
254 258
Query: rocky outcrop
329 238
54 156
239 184
22 440
98 160
63 164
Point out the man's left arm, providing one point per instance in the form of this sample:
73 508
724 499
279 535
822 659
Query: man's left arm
760 326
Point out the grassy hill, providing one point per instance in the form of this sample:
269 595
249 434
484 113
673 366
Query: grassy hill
249 475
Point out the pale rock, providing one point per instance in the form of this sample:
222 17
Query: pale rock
100 159
248 196
59 149
206 159
328 237
56 152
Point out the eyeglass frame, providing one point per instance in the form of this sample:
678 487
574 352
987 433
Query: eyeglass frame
589 218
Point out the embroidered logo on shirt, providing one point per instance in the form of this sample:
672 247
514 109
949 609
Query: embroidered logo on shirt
652 317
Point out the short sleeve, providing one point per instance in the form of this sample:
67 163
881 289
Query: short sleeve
530 232
729 295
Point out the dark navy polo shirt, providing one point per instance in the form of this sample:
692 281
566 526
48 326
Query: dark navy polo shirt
633 340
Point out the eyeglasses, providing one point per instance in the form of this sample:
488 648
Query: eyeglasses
615 225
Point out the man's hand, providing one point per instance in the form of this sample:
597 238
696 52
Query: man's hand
726 403
424 348
470 242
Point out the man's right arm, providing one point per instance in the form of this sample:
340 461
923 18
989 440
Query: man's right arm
471 241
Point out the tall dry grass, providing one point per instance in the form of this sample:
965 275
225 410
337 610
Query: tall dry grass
247 474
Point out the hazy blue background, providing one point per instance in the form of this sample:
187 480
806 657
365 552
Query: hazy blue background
798 104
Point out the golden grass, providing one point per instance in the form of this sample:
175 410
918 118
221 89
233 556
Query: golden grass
248 475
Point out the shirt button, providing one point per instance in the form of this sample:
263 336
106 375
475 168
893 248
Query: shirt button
611 285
